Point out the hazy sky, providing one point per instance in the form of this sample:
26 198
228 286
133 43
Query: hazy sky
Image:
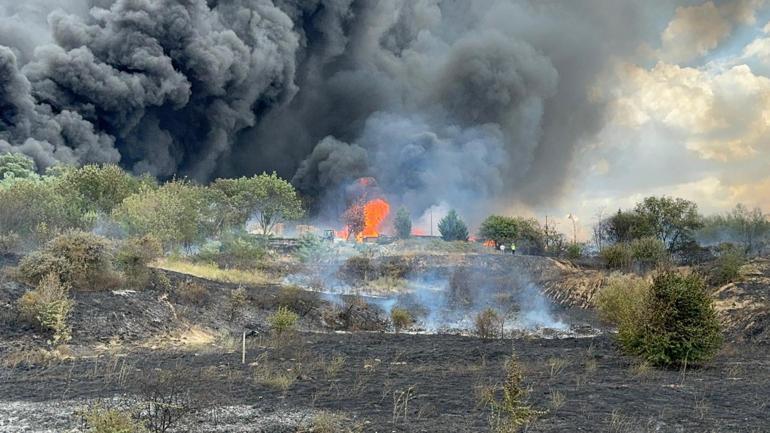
689 116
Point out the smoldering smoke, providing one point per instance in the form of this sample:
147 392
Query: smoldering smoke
453 101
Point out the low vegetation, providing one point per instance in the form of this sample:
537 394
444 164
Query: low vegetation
676 324
100 419
48 307
488 324
213 272
510 410
283 320
401 318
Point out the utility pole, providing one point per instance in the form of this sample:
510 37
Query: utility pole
574 228
431 222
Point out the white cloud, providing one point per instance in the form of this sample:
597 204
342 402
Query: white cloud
696 30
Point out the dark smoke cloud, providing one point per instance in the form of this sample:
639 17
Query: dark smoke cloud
454 101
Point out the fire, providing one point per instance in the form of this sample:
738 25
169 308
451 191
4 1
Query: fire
418 232
375 212
489 243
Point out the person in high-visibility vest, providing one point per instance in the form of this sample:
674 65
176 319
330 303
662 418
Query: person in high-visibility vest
513 248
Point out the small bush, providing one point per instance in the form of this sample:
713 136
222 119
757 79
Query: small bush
488 324
678 324
283 320
727 268
401 318
81 260
508 401
621 298
617 256
574 251
134 256
192 292
396 267
312 249
234 250
329 422
649 252
236 302
48 307
359 268
99 419
300 301
275 378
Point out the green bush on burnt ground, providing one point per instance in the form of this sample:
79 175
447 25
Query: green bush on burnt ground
401 318
508 401
48 308
239 250
574 251
79 259
621 299
677 325
134 255
488 324
452 228
727 268
359 268
100 419
283 320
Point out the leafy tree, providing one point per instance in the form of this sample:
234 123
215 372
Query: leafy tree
17 166
742 225
355 218
403 223
177 213
101 188
268 197
452 228
39 208
499 229
672 220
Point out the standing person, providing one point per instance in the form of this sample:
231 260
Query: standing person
513 248
502 248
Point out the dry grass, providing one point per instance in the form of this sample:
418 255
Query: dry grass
212 272
276 378
557 400
331 422
37 357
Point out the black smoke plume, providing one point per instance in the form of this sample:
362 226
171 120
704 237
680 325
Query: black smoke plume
462 102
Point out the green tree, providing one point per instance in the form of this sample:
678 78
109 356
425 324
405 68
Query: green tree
177 213
672 220
17 166
268 197
101 188
403 223
499 229
452 228
38 207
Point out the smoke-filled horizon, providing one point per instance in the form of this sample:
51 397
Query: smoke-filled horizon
466 103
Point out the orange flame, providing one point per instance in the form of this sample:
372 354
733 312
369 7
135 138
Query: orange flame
489 243
375 212
418 232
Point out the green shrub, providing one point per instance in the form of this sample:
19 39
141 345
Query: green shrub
234 250
359 268
401 318
488 324
282 321
48 307
678 324
452 228
649 252
508 401
621 298
38 208
312 249
99 419
617 256
574 251
396 267
728 265
236 302
134 255
38 264
89 260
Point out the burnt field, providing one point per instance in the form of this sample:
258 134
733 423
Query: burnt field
582 384
181 342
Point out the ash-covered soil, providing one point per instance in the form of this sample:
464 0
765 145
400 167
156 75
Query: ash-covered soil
601 391
122 338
